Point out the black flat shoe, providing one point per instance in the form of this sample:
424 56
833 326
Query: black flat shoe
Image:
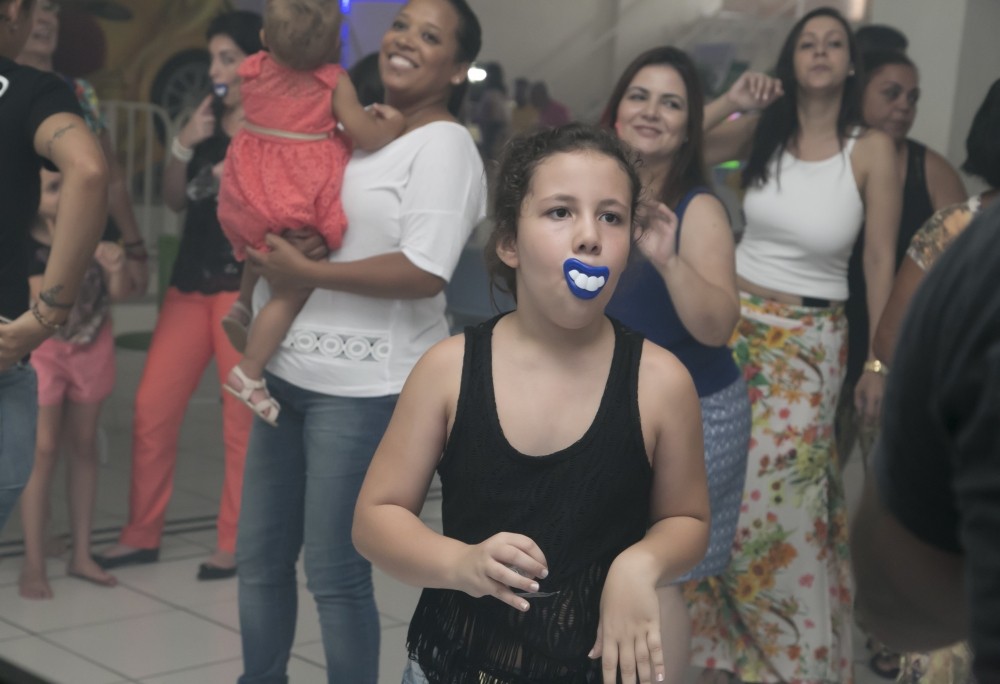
137 557
207 571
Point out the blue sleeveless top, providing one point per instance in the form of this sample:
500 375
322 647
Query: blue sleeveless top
643 303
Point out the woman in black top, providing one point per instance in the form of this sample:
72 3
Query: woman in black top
40 123
203 286
889 103
572 473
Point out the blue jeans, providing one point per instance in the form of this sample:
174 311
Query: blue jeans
300 484
18 422
413 674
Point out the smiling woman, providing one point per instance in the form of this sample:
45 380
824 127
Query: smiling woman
681 292
412 205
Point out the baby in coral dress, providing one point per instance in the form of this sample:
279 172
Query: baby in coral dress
284 168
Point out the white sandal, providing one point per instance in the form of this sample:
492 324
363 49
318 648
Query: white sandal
267 409
236 325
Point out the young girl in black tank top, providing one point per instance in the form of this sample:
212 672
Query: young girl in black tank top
569 449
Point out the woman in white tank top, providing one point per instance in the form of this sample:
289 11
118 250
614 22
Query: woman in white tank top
783 610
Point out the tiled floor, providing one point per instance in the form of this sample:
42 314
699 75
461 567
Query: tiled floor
160 625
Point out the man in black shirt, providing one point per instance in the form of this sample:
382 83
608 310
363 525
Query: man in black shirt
926 540
40 123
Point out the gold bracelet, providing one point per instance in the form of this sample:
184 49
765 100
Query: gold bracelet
45 323
876 366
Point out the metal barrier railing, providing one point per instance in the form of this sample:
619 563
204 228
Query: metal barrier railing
138 130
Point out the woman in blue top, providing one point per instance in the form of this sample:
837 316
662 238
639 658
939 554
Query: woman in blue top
682 293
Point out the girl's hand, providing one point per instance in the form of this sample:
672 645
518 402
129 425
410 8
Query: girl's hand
657 239
200 126
217 169
754 90
485 568
386 112
284 267
868 395
110 255
308 242
628 634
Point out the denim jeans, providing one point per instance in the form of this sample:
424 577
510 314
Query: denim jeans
300 484
18 422
413 674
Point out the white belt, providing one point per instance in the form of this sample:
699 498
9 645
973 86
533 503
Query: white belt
291 135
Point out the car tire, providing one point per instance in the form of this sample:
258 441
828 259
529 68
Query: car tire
180 85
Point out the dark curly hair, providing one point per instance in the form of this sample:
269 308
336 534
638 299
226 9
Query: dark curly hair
520 157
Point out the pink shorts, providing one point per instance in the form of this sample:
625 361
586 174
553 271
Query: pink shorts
80 373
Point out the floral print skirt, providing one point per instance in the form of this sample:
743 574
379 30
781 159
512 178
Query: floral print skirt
782 610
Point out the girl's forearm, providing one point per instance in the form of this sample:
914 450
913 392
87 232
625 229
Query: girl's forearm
671 547
396 540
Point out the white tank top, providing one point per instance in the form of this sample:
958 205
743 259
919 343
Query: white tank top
801 225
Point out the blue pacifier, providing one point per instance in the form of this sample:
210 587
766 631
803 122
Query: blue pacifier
585 282
220 89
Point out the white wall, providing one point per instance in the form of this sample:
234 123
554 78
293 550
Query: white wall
550 40
979 67
573 45
955 46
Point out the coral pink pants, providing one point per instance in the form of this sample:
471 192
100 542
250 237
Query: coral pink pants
188 334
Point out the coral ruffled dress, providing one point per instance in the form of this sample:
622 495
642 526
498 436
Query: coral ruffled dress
272 182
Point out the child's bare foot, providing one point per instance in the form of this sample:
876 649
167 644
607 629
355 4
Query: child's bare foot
253 393
89 571
34 584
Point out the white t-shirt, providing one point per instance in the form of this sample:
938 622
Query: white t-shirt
422 195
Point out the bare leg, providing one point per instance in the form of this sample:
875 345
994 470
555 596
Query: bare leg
266 334
33 582
248 281
675 633
81 427
236 323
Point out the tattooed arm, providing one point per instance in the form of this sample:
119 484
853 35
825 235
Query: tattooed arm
83 205
68 143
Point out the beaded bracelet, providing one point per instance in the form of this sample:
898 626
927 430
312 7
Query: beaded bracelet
45 323
179 150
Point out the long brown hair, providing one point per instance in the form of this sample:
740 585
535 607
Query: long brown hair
687 170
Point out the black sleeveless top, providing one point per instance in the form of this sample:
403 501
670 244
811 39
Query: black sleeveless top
917 208
582 505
